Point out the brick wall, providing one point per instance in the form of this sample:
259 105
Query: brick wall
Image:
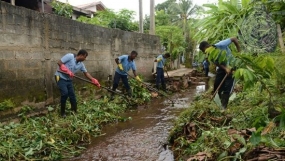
31 43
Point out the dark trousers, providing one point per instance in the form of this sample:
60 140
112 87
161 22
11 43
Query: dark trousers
206 71
66 90
117 78
225 89
160 77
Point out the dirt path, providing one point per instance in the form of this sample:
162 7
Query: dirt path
179 72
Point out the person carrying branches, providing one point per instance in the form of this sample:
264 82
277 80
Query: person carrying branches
224 70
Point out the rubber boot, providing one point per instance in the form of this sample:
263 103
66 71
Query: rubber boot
157 87
74 108
163 87
220 95
130 93
225 100
112 96
62 110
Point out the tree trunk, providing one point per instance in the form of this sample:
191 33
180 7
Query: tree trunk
170 51
178 61
186 54
280 38
43 6
13 2
188 60
141 16
188 51
152 20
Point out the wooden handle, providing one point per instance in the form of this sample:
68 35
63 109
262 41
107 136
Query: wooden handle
219 87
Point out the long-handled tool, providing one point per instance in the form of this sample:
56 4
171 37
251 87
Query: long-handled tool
151 88
101 86
167 74
88 81
145 84
219 86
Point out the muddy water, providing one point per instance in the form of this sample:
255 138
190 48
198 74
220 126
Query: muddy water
143 138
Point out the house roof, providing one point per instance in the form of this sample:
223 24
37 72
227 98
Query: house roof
87 9
82 10
98 4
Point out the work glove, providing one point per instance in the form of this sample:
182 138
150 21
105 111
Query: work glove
138 78
95 82
66 70
120 66
159 59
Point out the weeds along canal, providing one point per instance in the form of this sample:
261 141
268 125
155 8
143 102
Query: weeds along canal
144 137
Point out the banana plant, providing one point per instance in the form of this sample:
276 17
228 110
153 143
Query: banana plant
252 70
222 20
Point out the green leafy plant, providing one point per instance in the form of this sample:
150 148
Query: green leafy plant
250 69
204 131
172 39
102 18
62 9
124 19
281 119
277 9
140 94
51 137
255 138
6 104
223 19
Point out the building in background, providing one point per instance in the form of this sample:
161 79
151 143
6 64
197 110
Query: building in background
88 10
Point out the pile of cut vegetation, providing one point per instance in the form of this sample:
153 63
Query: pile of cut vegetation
252 128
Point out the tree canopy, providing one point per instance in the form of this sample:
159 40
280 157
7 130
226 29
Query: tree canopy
124 19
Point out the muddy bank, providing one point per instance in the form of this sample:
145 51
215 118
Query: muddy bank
145 136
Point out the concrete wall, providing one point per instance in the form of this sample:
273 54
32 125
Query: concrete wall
31 43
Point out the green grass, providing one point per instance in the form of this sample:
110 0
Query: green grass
6 105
